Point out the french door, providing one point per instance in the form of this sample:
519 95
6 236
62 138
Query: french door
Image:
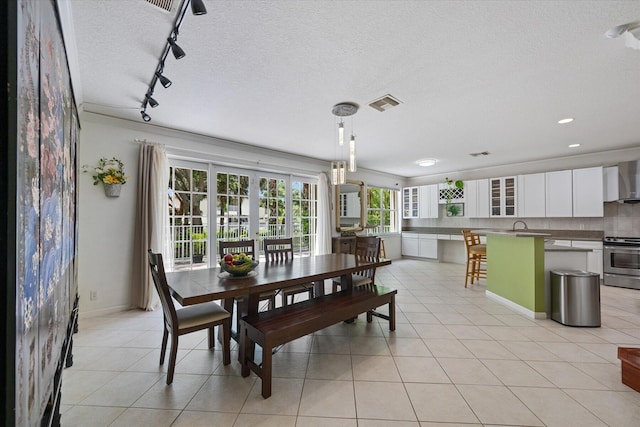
210 203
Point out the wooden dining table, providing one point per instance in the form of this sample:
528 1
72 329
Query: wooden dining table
196 286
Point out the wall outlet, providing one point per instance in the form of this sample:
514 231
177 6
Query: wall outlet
581 226
93 295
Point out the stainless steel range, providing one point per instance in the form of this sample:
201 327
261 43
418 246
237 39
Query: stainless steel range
622 262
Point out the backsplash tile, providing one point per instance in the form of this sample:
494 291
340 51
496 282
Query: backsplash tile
622 219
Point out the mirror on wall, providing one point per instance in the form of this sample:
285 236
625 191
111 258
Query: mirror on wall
350 200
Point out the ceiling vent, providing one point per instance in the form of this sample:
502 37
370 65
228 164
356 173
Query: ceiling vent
385 103
162 4
482 153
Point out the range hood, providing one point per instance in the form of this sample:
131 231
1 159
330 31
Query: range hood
629 182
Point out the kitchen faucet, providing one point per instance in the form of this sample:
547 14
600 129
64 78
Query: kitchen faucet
523 223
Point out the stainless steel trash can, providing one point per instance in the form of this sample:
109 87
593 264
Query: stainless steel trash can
575 298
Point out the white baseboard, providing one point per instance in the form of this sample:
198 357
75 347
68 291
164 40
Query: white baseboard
516 307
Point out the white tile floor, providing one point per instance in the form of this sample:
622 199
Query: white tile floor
456 358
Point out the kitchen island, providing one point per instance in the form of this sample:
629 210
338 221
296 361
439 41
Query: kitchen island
518 265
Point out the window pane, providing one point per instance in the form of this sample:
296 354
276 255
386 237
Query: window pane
244 185
222 183
233 184
200 181
199 204
182 179
183 205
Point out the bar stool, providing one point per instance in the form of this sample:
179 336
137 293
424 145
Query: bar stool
476 258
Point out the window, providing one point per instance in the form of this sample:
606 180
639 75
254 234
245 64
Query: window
188 215
232 206
382 208
273 213
304 196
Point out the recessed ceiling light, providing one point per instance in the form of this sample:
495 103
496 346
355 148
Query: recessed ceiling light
574 145
427 162
565 121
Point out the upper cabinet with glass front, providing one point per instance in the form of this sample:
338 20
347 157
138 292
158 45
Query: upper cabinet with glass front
503 196
410 202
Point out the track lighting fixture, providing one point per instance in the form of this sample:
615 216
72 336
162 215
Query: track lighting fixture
151 101
165 82
197 7
177 51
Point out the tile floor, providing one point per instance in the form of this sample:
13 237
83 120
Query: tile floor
456 358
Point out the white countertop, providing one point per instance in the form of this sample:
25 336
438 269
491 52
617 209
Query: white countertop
516 233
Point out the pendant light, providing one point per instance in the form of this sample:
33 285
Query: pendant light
352 154
339 167
338 172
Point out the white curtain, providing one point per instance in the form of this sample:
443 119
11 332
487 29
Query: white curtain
152 219
323 230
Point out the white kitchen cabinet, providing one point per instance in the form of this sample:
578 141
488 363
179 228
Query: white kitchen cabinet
503 196
594 258
610 184
531 195
420 245
559 194
588 198
476 196
410 204
427 246
410 244
428 201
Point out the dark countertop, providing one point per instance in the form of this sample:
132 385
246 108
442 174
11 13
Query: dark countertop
555 234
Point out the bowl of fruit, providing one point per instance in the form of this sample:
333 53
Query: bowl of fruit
238 264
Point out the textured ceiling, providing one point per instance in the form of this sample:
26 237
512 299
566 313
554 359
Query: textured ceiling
472 76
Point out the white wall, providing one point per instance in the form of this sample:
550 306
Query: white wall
106 232
106 225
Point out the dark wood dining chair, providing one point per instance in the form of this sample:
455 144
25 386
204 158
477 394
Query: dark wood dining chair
248 247
278 251
367 248
188 319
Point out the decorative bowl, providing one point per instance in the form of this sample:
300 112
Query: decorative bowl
239 269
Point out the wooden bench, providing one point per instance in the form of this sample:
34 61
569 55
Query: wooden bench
270 329
630 357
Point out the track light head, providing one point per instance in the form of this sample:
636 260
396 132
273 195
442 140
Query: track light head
197 7
145 116
151 101
165 82
177 51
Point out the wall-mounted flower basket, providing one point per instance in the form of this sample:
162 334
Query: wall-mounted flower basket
112 190
109 172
